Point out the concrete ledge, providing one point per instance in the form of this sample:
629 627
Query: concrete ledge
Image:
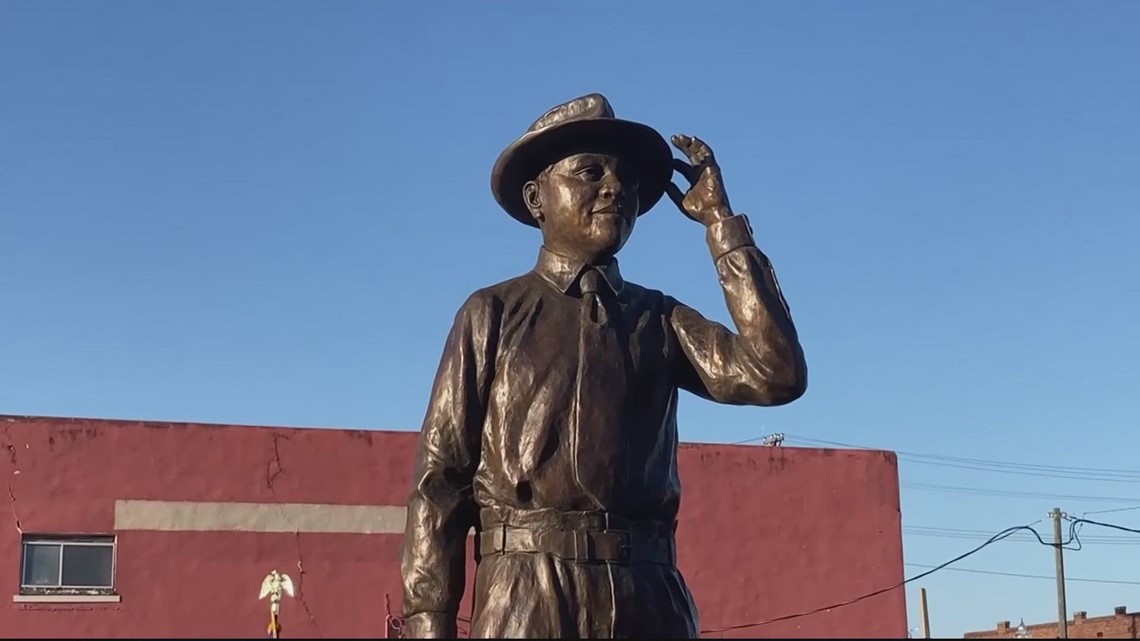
65 598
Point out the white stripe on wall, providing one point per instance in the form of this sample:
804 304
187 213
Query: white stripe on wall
195 516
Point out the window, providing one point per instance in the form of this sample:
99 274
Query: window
68 565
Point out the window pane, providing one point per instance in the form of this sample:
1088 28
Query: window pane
87 566
41 564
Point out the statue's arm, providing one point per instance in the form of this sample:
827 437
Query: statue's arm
763 363
441 509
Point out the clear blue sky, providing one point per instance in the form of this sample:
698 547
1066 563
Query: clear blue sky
268 213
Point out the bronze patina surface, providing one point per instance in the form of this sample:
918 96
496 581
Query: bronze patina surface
551 429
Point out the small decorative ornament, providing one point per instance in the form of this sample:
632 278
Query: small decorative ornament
272 586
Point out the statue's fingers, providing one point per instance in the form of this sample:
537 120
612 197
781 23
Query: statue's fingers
709 172
676 195
678 198
685 169
699 151
685 144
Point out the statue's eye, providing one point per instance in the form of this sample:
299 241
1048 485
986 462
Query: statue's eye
628 176
591 172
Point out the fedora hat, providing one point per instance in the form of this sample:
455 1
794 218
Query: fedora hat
587 119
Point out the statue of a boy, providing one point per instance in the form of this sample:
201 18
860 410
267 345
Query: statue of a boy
551 429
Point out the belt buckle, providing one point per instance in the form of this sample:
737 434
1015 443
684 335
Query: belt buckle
624 545
583 545
624 536
502 546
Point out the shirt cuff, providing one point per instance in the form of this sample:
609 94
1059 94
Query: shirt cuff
728 235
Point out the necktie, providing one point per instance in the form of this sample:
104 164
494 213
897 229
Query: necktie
601 392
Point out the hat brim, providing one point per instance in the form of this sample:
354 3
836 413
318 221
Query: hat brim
634 142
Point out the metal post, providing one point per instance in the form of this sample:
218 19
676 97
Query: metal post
924 613
1062 610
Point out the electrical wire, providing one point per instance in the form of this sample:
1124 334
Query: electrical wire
1026 576
1115 509
1010 464
985 491
959 533
1113 526
1018 472
976 461
993 539
1004 467
1074 530
1074 535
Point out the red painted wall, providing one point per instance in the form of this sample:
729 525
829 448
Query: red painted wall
765 532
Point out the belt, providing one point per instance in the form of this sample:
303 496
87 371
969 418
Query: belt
617 540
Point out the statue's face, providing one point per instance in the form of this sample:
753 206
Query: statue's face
586 205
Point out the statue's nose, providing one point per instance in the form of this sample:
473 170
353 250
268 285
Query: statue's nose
611 189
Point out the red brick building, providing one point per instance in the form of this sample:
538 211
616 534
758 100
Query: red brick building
148 529
1121 624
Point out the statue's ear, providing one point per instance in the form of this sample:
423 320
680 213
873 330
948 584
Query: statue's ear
533 199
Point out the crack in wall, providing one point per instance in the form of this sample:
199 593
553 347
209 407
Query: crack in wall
301 583
274 469
270 473
11 477
15 515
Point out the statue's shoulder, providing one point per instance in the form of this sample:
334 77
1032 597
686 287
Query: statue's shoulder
648 296
489 301
506 290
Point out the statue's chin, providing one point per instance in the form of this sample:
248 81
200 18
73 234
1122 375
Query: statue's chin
608 237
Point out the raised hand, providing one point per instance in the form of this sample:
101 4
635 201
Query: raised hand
705 201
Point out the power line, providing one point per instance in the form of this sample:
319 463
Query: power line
1078 521
1049 471
993 539
1026 576
982 491
985 533
973 532
959 533
1004 534
1040 474
1132 474
1115 509
1035 466
983 465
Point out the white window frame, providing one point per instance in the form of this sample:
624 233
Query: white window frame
59 589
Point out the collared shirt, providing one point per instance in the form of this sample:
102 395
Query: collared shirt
498 428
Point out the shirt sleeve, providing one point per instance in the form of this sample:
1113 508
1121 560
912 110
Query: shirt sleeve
441 509
763 363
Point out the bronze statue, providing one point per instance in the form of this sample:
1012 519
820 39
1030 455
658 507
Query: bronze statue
551 429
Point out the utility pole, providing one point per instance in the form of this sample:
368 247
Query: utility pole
1062 610
924 613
